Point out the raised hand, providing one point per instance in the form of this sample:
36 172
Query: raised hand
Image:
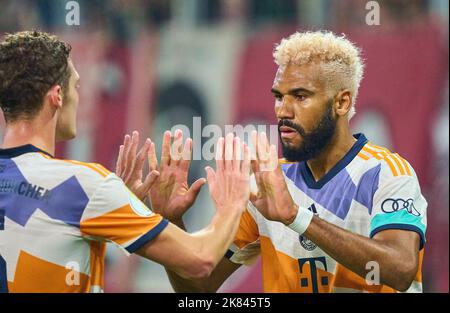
229 184
273 199
130 164
171 195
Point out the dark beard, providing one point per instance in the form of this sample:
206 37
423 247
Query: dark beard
314 142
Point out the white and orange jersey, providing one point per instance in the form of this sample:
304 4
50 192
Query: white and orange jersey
368 191
56 217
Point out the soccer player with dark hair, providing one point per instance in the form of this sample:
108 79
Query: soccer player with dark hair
57 215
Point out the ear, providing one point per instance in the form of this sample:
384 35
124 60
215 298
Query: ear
55 96
343 102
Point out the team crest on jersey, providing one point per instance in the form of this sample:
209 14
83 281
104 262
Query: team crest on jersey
307 244
138 207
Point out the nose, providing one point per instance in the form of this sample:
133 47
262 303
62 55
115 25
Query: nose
283 109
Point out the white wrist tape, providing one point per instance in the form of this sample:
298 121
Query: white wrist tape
302 220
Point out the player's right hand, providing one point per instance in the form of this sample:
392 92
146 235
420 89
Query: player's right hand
130 164
229 184
273 199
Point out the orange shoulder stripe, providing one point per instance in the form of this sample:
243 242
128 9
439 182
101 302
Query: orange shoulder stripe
89 165
104 169
404 164
45 155
93 166
363 156
387 153
383 157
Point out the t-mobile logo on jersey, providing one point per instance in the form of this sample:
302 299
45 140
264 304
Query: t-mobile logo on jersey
318 279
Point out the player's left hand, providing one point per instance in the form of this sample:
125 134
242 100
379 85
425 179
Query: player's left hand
172 196
273 199
130 164
166 185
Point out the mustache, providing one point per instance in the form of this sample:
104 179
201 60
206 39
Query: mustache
289 123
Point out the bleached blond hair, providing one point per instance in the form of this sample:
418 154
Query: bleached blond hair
339 59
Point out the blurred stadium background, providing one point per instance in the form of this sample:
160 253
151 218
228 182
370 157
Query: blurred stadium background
151 64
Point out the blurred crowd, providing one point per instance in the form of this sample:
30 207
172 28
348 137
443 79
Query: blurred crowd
123 18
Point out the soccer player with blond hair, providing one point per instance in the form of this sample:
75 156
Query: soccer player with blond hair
338 214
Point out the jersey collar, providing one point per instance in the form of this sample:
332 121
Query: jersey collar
16 151
308 177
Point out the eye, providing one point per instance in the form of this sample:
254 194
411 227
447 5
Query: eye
278 97
300 97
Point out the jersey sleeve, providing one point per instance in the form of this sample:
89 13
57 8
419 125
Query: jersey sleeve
246 247
399 204
114 214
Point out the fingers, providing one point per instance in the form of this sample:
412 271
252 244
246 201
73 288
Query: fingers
220 149
119 166
176 153
263 147
195 189
138 163
186 155
265 155
245 168
130 152
149 181
177 147
133 149
264 142
233 154
254 153
210 177
254 141
126 149
273 163
229 143
130 148
152 159
237 154
165 152
268 154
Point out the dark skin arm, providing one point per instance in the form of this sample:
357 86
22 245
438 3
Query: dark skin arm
396 251
211 284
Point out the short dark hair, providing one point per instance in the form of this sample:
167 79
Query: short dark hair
31 62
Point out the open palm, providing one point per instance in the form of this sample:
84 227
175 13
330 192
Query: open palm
171 194
273 199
